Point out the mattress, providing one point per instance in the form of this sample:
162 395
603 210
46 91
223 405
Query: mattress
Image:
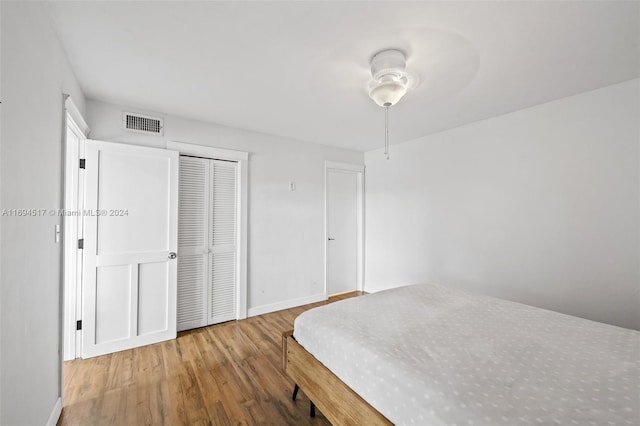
429 355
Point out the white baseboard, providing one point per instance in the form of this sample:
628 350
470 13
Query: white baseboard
286 304
55 413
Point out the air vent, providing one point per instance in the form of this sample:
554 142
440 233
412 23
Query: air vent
142 123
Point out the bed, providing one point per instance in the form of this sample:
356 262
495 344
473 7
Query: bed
431 355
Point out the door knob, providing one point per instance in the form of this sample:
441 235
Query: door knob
172 255
331 239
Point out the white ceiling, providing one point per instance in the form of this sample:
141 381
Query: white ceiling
300 69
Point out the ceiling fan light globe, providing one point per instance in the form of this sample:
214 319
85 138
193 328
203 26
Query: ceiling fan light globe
388 93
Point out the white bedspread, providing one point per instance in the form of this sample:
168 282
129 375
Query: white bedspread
428 355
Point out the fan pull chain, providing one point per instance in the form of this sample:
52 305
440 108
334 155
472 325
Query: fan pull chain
386 131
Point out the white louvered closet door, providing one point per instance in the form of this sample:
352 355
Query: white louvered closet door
193 242
207 242
222 230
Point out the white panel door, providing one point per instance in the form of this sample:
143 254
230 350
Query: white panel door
130 240
342 227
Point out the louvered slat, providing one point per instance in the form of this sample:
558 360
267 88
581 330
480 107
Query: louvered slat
191 292
223 288
223 203
192 202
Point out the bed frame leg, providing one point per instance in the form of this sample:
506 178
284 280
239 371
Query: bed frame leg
296 388
312 406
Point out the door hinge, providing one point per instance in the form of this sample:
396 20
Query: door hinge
81 243
78 325
82 163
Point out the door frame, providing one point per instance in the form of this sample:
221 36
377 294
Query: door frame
72 229
358 170
242 158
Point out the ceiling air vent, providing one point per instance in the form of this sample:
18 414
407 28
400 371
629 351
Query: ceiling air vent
142 123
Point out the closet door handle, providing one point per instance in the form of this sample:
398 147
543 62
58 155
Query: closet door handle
172 255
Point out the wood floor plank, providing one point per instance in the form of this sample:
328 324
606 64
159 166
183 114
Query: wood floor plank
225 374
149 407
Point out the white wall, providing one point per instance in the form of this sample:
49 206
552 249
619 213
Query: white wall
286 229
35 73
539 206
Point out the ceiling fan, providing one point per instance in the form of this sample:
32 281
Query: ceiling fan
390 82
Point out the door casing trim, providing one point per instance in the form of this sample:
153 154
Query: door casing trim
242 158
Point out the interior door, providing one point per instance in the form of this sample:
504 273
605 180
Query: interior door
193 242
223 233
130 239
207 239
342 224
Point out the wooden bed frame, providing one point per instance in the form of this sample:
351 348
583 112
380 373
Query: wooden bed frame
337 401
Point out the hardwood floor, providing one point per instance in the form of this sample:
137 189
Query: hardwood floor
225 374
